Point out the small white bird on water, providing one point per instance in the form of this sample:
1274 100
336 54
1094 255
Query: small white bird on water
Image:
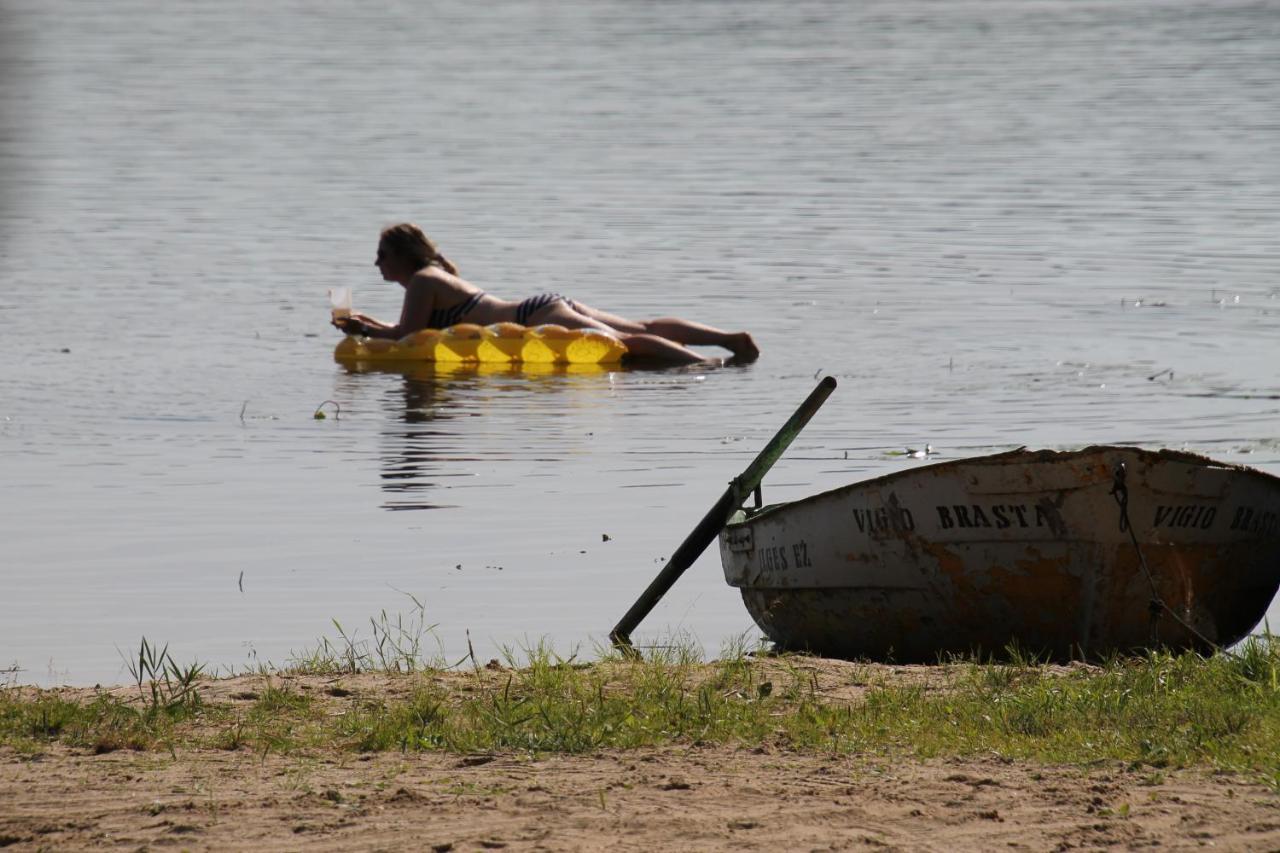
921 454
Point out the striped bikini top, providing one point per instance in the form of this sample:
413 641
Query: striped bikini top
442 317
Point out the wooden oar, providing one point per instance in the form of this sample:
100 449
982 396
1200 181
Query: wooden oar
707 530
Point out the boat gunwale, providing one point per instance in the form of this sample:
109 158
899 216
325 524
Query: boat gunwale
1003 458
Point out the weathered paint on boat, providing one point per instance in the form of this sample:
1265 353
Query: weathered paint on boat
1022 547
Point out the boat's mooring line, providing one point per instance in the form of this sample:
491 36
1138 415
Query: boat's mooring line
1157 605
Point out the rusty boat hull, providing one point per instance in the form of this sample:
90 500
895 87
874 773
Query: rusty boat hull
1022 548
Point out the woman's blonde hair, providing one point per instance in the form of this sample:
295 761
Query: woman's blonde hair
410 241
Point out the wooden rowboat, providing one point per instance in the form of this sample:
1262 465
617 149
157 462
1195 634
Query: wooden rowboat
1025 547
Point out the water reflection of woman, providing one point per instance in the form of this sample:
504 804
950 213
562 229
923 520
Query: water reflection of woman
419 445
436 297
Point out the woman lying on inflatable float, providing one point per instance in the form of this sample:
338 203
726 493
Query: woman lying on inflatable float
437 298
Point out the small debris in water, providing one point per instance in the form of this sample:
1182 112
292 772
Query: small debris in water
458 567
66 349
337 410
241 582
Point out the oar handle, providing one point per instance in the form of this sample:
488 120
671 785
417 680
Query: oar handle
707 530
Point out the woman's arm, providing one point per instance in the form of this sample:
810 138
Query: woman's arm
419 297
414 315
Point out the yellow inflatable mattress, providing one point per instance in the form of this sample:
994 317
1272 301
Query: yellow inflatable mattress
501 343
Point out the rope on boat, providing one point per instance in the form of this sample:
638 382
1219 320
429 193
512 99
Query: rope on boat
1157 605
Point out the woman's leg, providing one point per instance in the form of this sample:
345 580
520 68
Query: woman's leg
638 343
613 321
660 349
741 344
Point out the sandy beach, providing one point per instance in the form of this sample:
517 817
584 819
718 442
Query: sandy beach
681 796
669 799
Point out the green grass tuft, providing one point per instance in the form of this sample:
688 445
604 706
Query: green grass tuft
1156 711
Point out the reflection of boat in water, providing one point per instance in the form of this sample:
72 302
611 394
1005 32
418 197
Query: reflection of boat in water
501 343
1025 547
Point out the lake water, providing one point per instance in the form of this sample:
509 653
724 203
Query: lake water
993 222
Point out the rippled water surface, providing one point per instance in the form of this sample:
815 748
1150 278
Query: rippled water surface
997 223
